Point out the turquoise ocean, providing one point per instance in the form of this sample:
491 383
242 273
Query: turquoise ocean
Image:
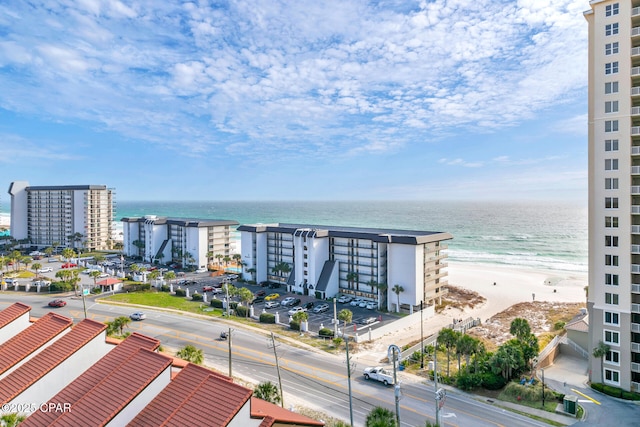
539 235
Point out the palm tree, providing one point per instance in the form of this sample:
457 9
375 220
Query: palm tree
345 315
237 258
352 277
209 255
252 271
219 258
74 238
267 391
191 354
154 275
397 289
120 323
285 269
382 288
466 346
74 280
226 260
448 337
48 251
380 417
68 253
134 268
12 419
301 316
55 246
520 328
170 275
36 266
26 260
138 244
600 351
246 296
94 275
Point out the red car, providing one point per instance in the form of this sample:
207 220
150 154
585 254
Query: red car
57 303
207 288
68 265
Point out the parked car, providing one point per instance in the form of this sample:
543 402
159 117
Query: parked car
378 374
45 270
371 305
207 288
368 320
57 303
296 301
344 299
321 308
363 303
202 270
272 297
295 310
138 315
285 302
308 305
356 302
271 304
68 265
260 293
257 300
103 275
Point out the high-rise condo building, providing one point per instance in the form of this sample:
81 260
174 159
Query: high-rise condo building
614 191
76 216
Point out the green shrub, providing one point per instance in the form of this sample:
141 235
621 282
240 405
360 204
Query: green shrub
241 310
468 381
325 332
337 341
216 303
492 381
528 393
267 318
294 325
165 288
615 391
60 287
233 305
181 293
559 325
196 297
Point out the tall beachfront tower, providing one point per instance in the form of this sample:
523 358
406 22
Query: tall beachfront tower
73 215
614 190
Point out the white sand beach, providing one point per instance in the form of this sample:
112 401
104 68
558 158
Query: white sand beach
512 286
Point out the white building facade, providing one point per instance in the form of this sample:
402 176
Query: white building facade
367 263
187 241
614 191
48 214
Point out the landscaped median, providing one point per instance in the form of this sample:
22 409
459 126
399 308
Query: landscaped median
164 300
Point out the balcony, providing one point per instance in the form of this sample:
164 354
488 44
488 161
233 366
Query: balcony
635 347
635 51
635 327
635 111
635 150
635 71
635 308
635 130
635 288
635 170
635 31
635 12
635 189
635 268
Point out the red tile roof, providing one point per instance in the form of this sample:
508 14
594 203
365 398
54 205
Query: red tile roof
92 376
45 361
108 282
113 393
196 396
12 312
261 408
31 339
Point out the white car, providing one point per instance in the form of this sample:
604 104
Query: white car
285 302
201 270
356 302
371 305
138 315
103 275
271 304
45 270
321 308
344 299
363 303
295 310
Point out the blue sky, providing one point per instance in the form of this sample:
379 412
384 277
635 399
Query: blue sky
283 100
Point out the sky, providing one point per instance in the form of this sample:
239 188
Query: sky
296 100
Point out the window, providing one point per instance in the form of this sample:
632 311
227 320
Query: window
611 29
610 87
612 376
610 298
611 337
611 280
611 260
611 241
611 126
611 183
610 145
611 164
611 221
611 68
611 318
611 107
611 48
611 9
612 357
611 202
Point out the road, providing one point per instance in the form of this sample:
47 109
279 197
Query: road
307 376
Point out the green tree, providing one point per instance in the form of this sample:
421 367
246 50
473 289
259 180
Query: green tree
352 277
237 258
252 271
397 289
345 315
11 419
68 253
75 238
380 417
219 258
209 255
121 322
268 391
26 260
246 296
170 275
99 258
520 328
227 260
36 266
94 275
191 354
448 338
140 245
48 252
600 351
508 359
466 346
301 316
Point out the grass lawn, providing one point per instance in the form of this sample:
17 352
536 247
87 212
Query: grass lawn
165 300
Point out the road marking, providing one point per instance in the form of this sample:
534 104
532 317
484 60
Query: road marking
585 396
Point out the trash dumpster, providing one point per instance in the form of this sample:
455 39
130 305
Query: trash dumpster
570 404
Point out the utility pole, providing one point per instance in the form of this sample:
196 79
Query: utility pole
346 343
543 388
393 353
335 320
275 353
435 381
421 337
229 339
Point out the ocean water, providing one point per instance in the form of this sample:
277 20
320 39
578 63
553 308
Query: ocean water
541 235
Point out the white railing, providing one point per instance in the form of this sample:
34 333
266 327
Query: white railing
635 288
635 347
635 308
635 327
635 170
635 367
635 130
635 189
635 229
635 268
578 349
635 31
635 71
635 11
635 150
635 249
635 51
635 111
635 91
549 348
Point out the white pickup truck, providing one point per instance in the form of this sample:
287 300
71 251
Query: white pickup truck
378 374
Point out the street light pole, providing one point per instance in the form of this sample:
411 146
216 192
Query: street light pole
421 337
542 388
435 381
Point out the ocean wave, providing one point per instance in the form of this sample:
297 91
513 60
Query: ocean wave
518 260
